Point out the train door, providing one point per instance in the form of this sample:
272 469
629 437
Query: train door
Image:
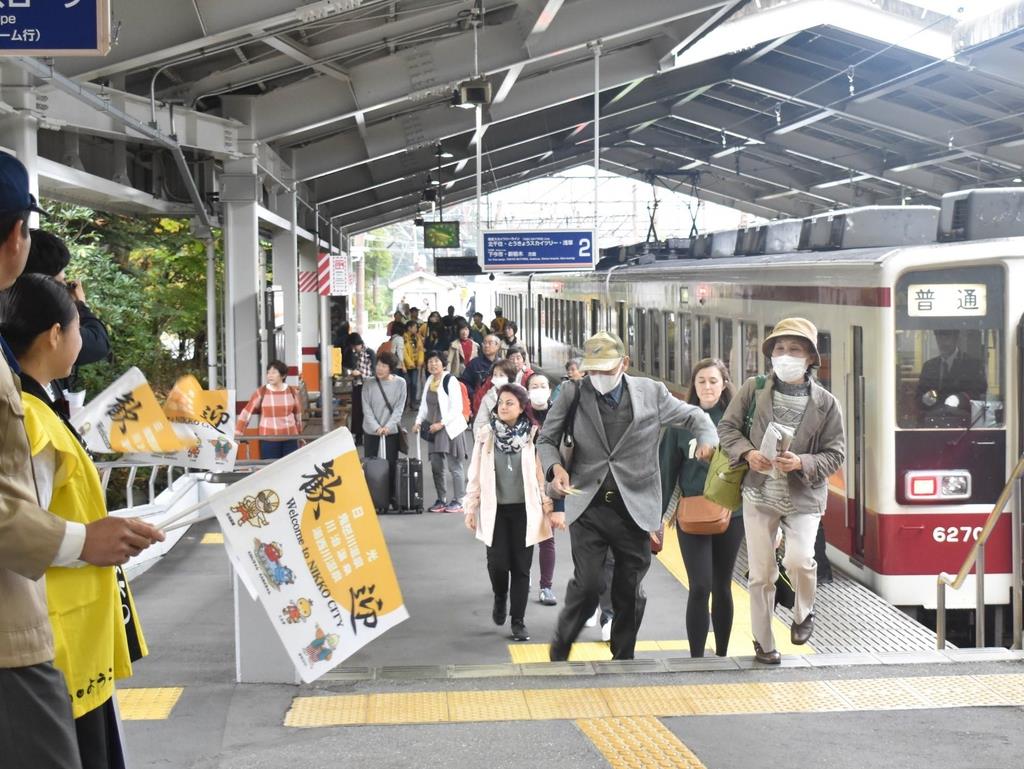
595 316
856 442
539 328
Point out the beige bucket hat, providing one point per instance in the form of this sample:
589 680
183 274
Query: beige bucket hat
799 327
602 352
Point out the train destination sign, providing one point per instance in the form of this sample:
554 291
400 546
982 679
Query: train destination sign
538 250
946 300
54 27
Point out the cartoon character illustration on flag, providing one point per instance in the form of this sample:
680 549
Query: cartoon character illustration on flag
303 533
206 414
126 418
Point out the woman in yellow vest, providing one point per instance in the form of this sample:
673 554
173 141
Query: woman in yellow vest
39 320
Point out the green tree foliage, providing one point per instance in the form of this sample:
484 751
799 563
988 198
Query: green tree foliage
146 280
378 275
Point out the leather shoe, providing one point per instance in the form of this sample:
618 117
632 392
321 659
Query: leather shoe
500 611
558 651
766 658
800 632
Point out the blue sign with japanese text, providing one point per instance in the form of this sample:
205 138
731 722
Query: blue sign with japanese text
539 250
54 27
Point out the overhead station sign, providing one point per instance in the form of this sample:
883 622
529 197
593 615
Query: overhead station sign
54 27
538 250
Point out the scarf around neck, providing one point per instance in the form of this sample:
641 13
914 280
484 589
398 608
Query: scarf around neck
511 440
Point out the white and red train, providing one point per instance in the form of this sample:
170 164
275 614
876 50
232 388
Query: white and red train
933 420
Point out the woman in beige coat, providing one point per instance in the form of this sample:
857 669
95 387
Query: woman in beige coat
506 505
462 350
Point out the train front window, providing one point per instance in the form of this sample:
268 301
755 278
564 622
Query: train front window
949 353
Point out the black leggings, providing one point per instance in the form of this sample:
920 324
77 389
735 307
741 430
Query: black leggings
508 560
709 561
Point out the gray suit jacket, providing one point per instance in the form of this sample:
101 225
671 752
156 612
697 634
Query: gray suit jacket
633 461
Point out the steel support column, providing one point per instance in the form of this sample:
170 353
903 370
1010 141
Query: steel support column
285 260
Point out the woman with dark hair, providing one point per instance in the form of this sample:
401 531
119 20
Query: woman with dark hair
447 433
538 390
510 338
709 558
358 362
40 322
436 338
383 403
506 506
280 412
486 398
462 349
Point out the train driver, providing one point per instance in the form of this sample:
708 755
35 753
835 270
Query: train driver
950 378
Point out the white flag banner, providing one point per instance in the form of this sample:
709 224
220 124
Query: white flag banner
303 532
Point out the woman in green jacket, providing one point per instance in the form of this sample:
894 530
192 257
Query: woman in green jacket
709 558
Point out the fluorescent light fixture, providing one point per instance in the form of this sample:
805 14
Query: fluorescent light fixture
625 91
804 122
546 155
928 162
546 16
776 195
506 84
841 182
727 151
691 166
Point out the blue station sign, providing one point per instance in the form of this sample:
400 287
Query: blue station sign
54 27
538 250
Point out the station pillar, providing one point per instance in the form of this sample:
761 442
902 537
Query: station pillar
285 265
18 129
309 320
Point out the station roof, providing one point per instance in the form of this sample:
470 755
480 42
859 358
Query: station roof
775 107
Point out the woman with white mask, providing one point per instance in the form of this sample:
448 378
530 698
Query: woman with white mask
538 390
790 489
502 373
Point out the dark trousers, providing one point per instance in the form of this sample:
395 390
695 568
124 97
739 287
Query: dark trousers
277 449
357 414
599 529
508 560
412 377
709 560
98 740
36 727
371 448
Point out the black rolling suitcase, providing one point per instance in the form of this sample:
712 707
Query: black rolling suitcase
409 481
378 479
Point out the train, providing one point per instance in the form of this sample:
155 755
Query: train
919 332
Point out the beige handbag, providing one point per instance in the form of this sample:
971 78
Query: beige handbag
697 515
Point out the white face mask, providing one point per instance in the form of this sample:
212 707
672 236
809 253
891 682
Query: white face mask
499 381
605 383
789 368
539 397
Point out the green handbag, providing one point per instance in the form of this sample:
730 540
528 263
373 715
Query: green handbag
724 482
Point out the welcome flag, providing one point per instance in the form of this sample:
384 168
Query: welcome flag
206 415
302 532
126 418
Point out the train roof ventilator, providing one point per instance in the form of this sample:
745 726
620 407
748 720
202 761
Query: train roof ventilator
980 214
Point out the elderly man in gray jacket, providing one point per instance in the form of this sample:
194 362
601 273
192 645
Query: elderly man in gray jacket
612 489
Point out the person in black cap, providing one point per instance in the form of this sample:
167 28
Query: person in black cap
37 728
49 255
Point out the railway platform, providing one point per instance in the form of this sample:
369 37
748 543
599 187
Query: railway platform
448 688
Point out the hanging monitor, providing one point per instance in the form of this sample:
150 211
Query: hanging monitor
440 234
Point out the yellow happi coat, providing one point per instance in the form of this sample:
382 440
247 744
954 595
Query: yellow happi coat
84 603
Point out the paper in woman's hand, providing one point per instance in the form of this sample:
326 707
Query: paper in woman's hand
776 441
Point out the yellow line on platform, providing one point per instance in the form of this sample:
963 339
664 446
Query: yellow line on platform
634 742
590 651
148 704
740 640
212 538
841 695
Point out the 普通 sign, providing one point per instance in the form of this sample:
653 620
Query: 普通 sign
54 27
947 300
541 250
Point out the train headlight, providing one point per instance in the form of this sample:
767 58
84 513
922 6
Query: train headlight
938 485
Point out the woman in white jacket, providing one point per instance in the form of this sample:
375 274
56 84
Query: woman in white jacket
446 432
506 505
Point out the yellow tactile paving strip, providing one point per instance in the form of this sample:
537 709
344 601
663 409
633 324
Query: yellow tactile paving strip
147 704
860 694
594 651
739 640
638 743
212 538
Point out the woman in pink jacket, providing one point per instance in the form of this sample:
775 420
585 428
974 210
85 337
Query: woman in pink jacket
506 505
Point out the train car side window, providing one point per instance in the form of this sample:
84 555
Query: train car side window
657 357
768 358
725 340
641 339
620 324
704 336
750 351
671 342
824 375
685 348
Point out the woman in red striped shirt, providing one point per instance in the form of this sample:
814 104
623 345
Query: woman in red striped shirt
280 412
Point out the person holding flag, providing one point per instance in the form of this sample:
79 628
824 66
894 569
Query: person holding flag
40 322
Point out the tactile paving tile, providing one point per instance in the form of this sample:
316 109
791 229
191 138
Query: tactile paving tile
147 704
407 708
956 691
1008 685
335 710
647 701
724 699
590 651
802 697
638 743
566 703
212 538
878 694
488 706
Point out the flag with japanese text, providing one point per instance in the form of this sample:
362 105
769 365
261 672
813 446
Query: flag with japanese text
206 414
126 418
304 533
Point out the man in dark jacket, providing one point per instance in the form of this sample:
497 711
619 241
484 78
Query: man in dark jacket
478 369
50 256
357 362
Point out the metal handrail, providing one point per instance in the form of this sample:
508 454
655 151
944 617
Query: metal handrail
976 557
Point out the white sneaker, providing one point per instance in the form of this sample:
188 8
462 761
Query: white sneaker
606 631
592 622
